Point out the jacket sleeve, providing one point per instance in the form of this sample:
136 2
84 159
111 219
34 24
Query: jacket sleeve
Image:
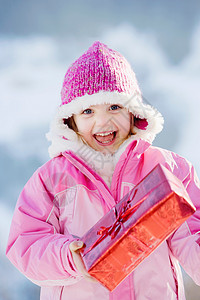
185 242
35 245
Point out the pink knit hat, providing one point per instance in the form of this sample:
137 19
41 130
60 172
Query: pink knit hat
101 75
98 69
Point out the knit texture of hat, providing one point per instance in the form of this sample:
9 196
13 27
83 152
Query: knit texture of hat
98 69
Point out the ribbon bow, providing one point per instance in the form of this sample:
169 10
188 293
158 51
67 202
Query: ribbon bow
125 212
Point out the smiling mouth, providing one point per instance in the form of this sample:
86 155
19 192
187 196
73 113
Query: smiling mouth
105 138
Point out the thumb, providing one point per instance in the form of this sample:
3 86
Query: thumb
75 245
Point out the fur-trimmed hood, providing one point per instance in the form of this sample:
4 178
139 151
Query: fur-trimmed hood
63 138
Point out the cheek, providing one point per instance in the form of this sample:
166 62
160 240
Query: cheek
78 121
125 122
83 125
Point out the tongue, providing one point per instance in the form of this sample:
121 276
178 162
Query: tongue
105 139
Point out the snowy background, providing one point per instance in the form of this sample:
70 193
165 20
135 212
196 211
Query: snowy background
38 41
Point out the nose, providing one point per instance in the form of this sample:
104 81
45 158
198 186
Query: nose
104 122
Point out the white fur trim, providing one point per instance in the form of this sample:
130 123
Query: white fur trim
61 135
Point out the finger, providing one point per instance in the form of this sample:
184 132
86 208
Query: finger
75 245
74 248
78 261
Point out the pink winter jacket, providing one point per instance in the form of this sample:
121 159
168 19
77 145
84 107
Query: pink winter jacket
65 197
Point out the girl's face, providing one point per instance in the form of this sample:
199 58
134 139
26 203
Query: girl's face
104 127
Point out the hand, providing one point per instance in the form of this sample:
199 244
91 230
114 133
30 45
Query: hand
74 248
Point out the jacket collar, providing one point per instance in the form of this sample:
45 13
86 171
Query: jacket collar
93 176
129 149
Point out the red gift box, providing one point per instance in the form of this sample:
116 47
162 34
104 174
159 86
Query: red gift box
135 227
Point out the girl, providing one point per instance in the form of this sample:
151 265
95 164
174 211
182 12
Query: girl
101 148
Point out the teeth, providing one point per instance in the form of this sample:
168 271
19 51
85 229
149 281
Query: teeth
106 142
104 134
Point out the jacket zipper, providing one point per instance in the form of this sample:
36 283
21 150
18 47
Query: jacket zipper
121 175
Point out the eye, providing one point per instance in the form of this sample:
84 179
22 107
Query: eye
115 107
87 111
